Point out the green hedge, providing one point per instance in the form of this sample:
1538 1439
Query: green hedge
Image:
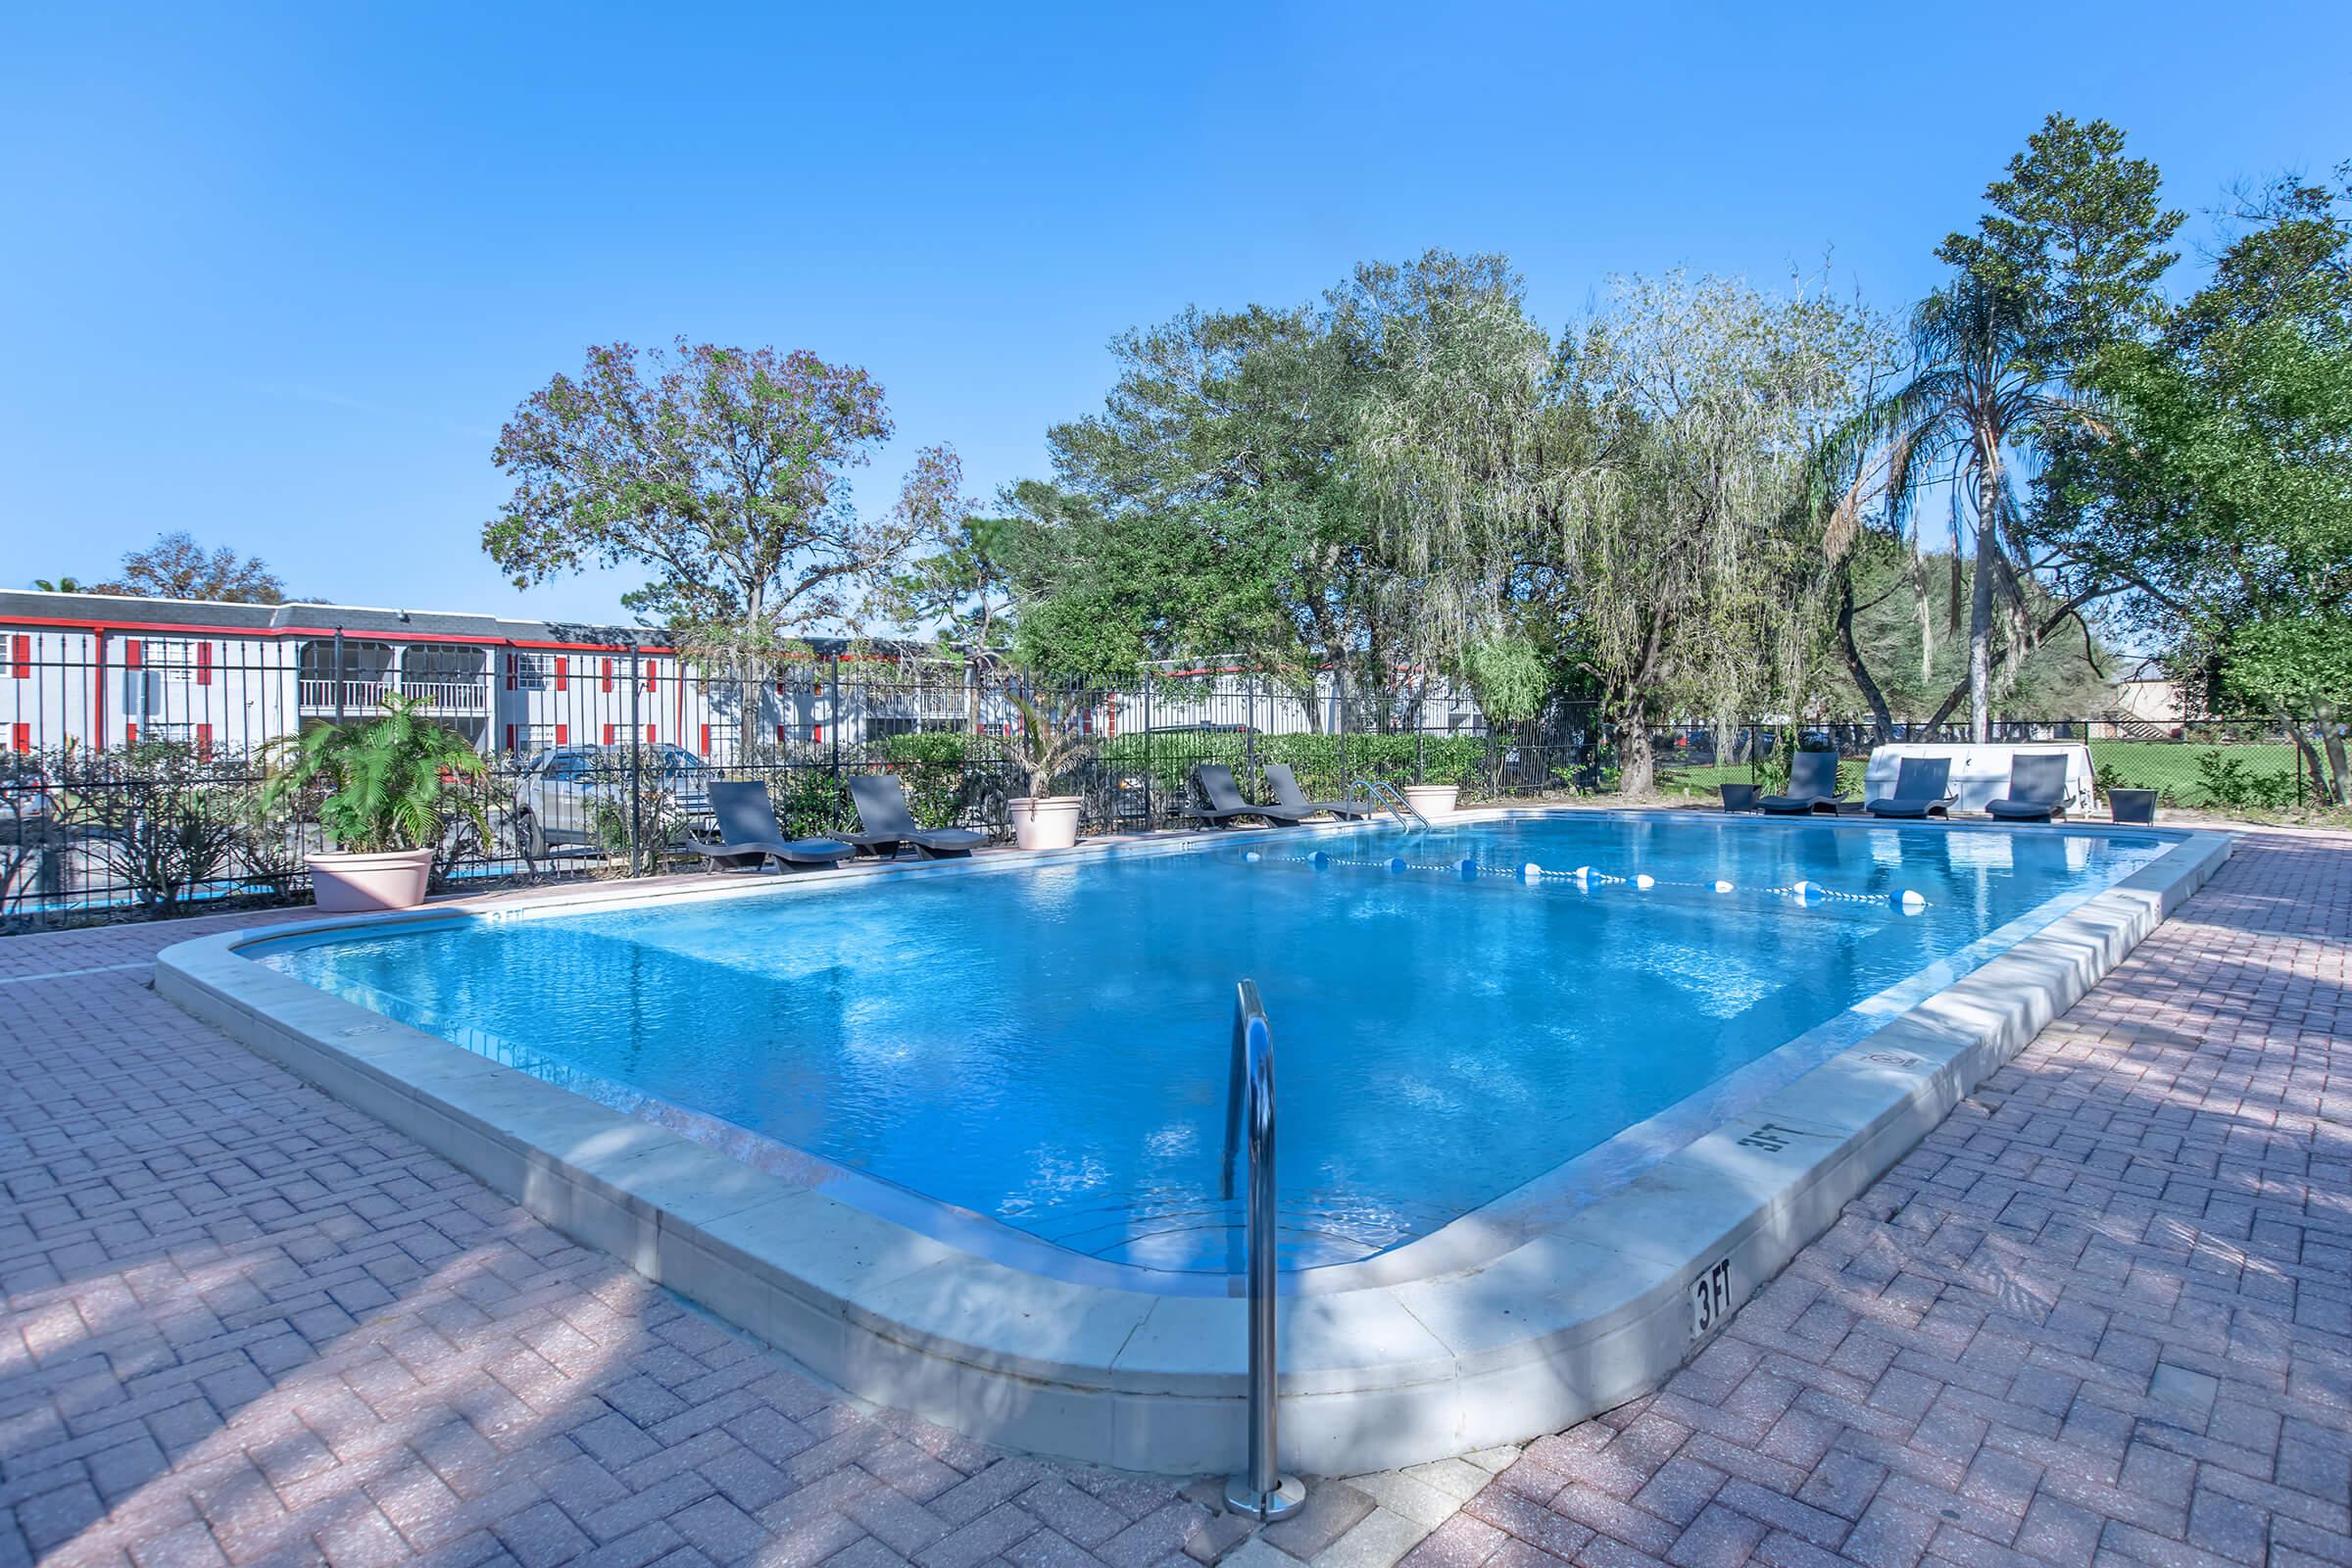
1325 765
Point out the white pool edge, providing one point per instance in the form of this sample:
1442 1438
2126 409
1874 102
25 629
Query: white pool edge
1578 1318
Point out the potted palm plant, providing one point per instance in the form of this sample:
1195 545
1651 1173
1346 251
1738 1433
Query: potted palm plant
1045 750
388 801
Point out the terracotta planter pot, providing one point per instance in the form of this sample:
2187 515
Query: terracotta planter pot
1433 800
347 883
1049 823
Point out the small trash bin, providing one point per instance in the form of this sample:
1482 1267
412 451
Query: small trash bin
2133 806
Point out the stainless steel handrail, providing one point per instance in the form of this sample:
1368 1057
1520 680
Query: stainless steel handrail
1381 792
1261 1491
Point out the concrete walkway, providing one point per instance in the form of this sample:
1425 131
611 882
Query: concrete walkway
2103 1315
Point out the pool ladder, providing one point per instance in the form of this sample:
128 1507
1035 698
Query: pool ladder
1261 1491
1384 796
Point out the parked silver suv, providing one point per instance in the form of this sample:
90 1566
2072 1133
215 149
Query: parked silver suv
557 796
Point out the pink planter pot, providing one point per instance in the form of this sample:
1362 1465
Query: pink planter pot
352 884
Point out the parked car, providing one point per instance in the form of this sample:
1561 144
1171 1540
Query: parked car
557 796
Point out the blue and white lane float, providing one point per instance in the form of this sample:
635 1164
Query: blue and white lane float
1806 894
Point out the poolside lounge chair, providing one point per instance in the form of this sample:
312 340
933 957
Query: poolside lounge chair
885 825
748 831
1291 798
1812 786
1214 781
1740 797
2036 789
1922 788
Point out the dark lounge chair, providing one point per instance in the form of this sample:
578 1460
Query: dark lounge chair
1922 788
1740 797
748 832
1812 786
1214 781
885 825
2036 789
1291 798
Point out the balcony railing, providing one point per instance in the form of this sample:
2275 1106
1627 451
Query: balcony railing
362 696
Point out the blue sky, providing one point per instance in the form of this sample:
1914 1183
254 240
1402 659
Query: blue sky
276 275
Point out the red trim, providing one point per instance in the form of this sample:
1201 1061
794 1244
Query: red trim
134 654
706 740
816 734
192 630
779 735
130 735
204 663
509 672
562 673
204 742
563 734
510 737
608 686
22 658
23 737
653 676
650 736
608 734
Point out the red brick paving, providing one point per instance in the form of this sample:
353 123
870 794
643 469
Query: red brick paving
2103 1316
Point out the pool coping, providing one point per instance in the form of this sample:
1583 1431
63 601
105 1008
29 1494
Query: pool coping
1578 1316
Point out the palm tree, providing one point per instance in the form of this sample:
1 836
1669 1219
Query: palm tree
63 585
1978 396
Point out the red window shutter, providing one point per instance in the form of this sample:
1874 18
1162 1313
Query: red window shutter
510 737
562 673
607 674
653 677
563 734
509 672
650 735
21 656
705 748
204 742
608 734
130 733
779 734
816 734
23 737
204 663
134 652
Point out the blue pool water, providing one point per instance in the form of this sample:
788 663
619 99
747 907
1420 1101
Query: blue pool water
1047 1045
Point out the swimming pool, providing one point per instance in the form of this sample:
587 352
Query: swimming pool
1046 1049
948 1133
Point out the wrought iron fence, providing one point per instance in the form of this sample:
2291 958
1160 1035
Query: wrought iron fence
133 787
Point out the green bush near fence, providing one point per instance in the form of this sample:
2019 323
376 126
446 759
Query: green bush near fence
1325 765
931 767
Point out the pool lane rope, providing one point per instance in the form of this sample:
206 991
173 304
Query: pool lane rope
1806 894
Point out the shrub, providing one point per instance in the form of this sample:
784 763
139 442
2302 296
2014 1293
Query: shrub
931 767
2228 781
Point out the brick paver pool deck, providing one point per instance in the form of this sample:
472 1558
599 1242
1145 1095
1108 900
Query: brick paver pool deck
2103 1316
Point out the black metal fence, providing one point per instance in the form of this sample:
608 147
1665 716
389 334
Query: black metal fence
133 784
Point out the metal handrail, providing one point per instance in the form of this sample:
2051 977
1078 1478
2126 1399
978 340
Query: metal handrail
1261 1491
1382 793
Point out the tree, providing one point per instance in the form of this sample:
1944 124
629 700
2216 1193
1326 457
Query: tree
960 584
2064 267
59 585
1219 469
1675 539
176 566
719 471
2221 489
2074 242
